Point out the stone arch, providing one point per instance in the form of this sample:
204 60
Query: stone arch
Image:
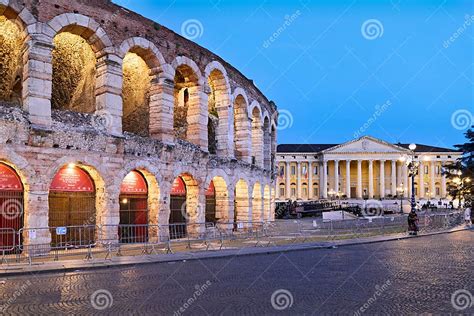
14 21
257 134
257 203
218 109
78 43
267 142
222 184
190 106
273 145
242 208
142 63
267 199
242 131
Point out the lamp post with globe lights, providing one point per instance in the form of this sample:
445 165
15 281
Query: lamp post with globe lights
413 165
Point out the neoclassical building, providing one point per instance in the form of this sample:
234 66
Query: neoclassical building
362 168
108 118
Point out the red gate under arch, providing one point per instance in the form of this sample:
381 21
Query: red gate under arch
72 204
11 207
133 208
178 209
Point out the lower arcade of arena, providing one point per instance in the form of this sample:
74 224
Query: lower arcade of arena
76 206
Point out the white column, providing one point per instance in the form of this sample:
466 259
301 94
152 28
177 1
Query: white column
298 179
382 178
310 180
406 183
371 179
443 184
287 180
421 182
336 176
325 179
348 179
432 179
359 179
394 178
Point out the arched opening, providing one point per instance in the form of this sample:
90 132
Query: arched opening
293 190
257 203
134 215
267 203
304 191
186 100
218 103
72 208
267 140
211 203
241 129
257 138
241 213
178 209
74 72
282 192
11 207
11 64
315 190
136 95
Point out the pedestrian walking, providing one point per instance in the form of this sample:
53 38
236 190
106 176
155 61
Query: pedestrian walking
467 215
412 223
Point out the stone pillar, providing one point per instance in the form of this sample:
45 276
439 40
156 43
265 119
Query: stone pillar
162 108
108 92
37 79
198 116
324 186
432 179
36 215
421 182
443 186
336 177
359 179
310 180
382 178
371 179
298 179
394 178
287 180
348 179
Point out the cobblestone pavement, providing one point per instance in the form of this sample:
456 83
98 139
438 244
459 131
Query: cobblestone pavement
398 277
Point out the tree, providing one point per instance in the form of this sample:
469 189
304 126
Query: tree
461 173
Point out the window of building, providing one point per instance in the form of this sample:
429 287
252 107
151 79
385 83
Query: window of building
426 169
305 191
315 170
438 170
282 189
315 190
293 170
438 191
293 192
282 171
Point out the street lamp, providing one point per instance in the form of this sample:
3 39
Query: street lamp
413 166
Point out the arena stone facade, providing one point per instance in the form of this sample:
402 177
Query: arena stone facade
189 115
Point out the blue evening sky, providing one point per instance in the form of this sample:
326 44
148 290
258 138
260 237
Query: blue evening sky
410 84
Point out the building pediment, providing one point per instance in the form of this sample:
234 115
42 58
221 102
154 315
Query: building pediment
366 144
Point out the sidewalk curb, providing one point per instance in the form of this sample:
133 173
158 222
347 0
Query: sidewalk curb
81 265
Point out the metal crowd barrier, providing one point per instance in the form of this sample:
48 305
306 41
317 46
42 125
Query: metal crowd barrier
108 241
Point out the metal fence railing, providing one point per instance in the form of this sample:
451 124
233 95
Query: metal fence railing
107 241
